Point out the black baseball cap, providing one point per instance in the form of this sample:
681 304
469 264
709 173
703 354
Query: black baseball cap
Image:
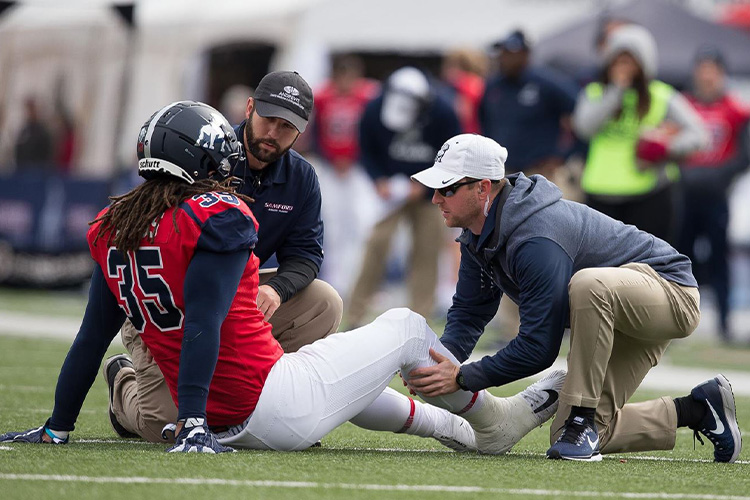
709 53
285 95
514 42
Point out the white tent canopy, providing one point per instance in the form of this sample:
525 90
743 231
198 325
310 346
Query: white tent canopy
165 58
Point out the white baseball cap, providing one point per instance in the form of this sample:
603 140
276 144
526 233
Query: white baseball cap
406 90
465 155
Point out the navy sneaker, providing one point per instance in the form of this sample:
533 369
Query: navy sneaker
579 441
719 424
111 368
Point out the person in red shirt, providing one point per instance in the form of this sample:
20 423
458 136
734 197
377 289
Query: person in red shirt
338 108
348 194
707 175
175 257
463 72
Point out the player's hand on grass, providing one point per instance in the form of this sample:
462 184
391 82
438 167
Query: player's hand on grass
194 436
37 435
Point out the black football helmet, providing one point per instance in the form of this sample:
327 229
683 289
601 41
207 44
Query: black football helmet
189 140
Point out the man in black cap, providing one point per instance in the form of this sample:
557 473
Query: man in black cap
525 108
300 308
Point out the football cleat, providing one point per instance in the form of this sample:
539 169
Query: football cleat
579 441
543 396
111 368
502 422
719 424
456 434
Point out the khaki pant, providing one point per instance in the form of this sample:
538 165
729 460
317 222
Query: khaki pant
142 402
622 320
426 228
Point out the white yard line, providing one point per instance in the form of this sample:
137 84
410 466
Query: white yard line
48 411
116 441
39 326
370 487
407 450
27 388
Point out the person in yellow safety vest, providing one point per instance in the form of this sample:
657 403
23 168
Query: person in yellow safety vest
636 127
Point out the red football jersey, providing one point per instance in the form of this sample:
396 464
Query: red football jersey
148 285
337 119
724 119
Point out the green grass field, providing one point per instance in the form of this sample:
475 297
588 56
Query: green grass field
351 464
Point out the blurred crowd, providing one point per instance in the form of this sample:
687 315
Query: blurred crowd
613 137
46 140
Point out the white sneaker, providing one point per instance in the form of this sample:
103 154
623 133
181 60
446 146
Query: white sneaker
542 396
502 422
456 434
494 424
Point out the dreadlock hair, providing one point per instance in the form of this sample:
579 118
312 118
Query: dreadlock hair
131 215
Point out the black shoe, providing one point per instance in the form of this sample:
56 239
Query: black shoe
111 368
579 441
719 424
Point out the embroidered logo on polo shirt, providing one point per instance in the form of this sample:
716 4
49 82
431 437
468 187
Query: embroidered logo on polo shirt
278 207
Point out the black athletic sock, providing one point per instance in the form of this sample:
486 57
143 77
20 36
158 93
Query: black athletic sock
582 411
580 417
689 411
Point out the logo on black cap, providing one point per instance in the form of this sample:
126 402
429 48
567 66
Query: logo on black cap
285 94
291 90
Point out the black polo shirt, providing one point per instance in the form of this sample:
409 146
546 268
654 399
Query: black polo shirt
287 207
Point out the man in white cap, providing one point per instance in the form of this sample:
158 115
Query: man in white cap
625 294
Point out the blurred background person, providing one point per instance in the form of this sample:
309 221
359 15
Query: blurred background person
707 175
636 127
348 195
527 110
400 133
33 148
234 102
462 73
65 144
607 25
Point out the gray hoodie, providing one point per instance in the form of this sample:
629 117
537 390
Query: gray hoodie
531 244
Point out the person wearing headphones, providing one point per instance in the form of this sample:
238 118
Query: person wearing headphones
400 133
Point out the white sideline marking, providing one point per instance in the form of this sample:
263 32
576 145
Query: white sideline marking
27 388
48 411
371 487
117 441
406 450
525 454
5 448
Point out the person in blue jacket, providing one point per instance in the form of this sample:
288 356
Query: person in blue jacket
624 293
400 132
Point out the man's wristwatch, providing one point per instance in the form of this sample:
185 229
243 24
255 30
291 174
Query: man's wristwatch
460 381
